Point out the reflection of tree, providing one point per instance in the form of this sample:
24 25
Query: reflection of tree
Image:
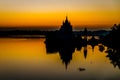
114 56
101 48
85 51
93 42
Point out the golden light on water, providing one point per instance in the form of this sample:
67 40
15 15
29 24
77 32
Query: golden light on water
29 57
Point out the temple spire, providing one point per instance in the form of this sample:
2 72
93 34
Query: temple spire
66 26
66 19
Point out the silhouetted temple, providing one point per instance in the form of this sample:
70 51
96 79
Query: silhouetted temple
65 33
66 26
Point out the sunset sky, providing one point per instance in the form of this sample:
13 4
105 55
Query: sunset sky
53 12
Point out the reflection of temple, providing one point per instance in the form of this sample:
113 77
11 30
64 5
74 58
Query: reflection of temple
85 51
65 53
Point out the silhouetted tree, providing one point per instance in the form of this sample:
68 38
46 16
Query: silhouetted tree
112 39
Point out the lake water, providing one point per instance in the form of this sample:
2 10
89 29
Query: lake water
27 59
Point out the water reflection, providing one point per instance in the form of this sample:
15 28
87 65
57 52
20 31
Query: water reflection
114 56
65 51
67 48
29 60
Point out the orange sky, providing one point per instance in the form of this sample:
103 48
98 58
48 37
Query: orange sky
53 12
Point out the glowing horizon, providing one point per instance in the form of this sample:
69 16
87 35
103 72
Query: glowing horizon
53 12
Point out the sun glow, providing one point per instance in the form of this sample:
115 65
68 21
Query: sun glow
52 13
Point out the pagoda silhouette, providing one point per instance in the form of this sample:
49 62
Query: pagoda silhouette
62 41
65 32
66 26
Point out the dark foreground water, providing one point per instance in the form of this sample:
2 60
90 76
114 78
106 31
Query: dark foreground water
27 59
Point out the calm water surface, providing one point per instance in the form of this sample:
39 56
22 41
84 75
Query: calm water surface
27 59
